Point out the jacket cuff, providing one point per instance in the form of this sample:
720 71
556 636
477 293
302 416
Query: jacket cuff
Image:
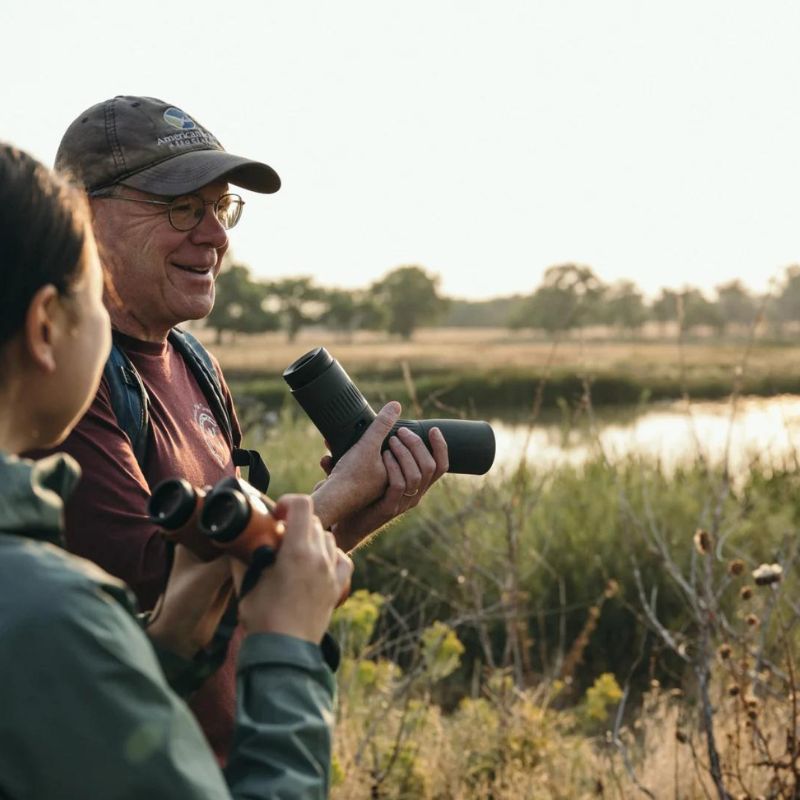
277 649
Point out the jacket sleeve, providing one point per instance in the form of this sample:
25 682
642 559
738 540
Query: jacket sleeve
284 720
87 713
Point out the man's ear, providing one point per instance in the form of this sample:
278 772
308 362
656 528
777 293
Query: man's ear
41 326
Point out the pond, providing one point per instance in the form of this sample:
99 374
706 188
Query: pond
755 429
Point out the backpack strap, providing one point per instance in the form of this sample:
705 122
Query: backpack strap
202 367
199 361
128 399
130 402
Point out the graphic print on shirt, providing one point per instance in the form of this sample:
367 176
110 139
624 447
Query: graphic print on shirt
212 435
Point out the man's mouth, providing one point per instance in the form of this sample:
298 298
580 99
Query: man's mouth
200 270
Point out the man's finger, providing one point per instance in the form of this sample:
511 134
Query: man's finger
382 424
439 452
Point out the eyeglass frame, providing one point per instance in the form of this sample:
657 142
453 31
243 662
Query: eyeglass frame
106 194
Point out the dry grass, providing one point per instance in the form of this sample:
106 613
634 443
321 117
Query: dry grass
488 348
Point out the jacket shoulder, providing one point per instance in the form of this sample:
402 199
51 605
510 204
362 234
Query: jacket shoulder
40 581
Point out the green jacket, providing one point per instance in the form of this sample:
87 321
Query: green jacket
85 710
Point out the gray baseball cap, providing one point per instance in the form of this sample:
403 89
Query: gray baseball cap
154 147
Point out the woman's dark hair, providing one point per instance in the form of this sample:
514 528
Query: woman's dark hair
43 226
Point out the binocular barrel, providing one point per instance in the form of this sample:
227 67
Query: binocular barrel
231 518
341 414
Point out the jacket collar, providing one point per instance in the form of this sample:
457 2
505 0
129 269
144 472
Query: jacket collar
32 495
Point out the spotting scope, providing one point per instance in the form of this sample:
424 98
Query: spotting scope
341 414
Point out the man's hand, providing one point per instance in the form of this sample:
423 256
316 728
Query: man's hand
189 611
367 488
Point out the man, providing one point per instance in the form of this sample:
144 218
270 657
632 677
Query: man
158 184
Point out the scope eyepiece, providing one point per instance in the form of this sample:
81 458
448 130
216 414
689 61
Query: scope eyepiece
307 368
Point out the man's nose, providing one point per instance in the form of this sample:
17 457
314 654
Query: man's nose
210 229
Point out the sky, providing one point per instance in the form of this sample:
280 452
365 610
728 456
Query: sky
484 141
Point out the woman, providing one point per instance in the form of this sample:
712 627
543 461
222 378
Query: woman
85 709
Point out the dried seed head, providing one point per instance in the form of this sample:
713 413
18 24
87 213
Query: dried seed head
746 592
676 693
766 574
751 620
655 684
736 567
733 690
752 713
702 541
724 651
681 736
750 701
612 589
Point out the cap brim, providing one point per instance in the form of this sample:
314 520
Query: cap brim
189 172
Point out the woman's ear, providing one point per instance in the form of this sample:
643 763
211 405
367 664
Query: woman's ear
41 327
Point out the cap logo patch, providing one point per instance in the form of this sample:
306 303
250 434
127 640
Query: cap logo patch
179 119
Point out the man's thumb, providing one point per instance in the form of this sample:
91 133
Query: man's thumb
382 424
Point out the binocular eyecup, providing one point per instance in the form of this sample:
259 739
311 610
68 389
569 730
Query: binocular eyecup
341 414
232 518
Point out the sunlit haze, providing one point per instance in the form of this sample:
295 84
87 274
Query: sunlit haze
483 141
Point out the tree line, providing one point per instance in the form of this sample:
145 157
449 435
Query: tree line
569 297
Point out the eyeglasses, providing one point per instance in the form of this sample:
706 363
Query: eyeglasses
186 212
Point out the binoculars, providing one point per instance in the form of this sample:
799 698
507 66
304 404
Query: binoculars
233 518
341 414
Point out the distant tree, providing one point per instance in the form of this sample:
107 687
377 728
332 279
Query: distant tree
409 297
664 308
239 304
567 298
735 304
349 311
786 306
493 313
699 311
297 301
688 307
623 306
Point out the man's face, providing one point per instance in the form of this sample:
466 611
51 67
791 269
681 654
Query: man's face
162 277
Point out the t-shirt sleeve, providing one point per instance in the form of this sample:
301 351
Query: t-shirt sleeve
106 517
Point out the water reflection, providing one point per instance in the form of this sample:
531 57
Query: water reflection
765 430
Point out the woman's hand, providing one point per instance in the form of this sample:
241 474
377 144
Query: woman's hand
297 594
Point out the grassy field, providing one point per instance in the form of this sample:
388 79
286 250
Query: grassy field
490 348
561 633
463 368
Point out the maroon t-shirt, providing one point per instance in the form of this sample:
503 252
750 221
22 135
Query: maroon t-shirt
106 517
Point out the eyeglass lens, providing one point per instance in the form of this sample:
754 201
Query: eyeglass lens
186 212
